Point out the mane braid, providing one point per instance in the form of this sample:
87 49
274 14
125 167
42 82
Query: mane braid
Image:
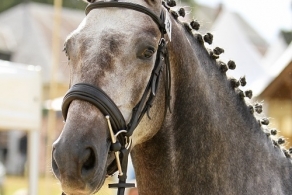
214 55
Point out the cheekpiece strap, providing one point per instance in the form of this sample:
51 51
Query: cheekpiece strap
149 94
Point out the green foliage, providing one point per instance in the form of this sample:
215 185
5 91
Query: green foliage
287 36
75 4
5 4
189 2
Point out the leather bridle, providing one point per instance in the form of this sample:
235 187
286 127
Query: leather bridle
120 131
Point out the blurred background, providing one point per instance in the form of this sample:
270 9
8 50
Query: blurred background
34 76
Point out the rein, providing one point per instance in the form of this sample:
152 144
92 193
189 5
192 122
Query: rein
121 132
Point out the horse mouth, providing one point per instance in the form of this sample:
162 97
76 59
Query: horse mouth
100 183
112 168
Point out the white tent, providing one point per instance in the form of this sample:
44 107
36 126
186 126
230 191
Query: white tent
20 108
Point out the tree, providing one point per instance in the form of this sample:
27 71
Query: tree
190 2
75 4
7 4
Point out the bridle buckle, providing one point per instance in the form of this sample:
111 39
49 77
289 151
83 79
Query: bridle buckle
117 149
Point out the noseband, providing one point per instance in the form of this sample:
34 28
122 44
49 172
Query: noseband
120 131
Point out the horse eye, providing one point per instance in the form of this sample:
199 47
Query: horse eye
148 53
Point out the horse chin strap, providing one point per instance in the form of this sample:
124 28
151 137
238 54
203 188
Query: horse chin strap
120 132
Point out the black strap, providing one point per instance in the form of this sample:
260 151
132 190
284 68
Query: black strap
99 99
124 153
167 81
128 5
145 104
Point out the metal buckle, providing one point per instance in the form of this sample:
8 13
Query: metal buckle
114 140
161 41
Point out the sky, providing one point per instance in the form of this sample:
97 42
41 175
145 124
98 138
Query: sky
266 16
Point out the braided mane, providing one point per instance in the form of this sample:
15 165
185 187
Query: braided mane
255 108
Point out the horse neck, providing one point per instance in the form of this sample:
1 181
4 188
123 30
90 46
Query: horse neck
210 143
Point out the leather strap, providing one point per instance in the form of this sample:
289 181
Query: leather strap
145 104
127 5
98 98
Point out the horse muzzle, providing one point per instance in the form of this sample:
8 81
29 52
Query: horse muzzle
80 155
77 171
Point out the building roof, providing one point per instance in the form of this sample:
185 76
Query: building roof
208 16
287 35
232 34
276 49
280 70
30 27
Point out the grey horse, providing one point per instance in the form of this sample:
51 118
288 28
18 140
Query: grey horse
210 141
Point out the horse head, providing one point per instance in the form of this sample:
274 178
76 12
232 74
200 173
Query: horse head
112 55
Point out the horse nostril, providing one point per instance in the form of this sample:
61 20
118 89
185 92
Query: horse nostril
89 160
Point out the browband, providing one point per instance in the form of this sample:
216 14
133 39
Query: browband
128 5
